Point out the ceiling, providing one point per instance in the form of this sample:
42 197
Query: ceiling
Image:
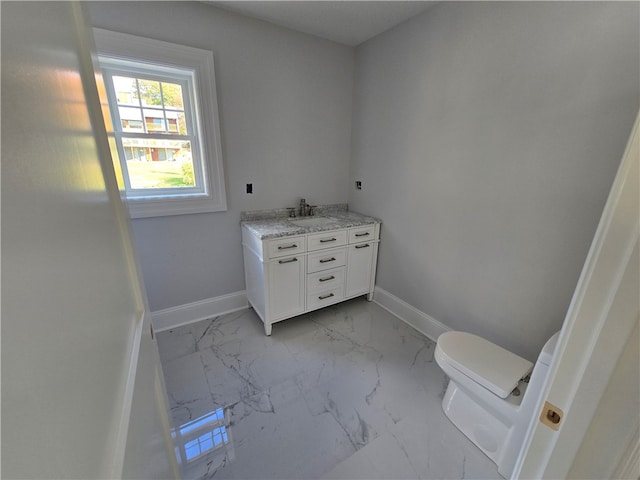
346 22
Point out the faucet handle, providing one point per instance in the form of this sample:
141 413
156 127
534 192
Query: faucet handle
292 212
312 210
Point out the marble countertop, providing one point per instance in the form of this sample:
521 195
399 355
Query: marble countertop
274 226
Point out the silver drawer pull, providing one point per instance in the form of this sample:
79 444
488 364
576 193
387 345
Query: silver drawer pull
293 245
362 234
288 261
327 240
324 297
325 260
362 246
332 277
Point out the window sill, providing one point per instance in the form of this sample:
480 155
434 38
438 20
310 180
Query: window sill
167 206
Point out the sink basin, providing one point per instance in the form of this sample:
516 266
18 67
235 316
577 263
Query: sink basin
312 221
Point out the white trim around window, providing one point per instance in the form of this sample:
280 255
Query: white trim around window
118 52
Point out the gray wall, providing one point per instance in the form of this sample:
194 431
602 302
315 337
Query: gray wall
487 136
285 114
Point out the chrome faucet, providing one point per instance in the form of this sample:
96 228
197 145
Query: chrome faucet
305 210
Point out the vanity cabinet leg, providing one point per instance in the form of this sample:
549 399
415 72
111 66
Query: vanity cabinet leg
267 329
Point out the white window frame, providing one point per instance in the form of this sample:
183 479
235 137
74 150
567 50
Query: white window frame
119 52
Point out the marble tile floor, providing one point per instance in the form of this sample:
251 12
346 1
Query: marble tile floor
346 392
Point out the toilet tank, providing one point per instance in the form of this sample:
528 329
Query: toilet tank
546 355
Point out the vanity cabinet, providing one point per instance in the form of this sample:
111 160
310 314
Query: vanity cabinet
291 275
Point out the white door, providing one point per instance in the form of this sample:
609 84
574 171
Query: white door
598 410
81 385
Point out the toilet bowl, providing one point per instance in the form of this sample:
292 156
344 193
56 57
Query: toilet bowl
491 392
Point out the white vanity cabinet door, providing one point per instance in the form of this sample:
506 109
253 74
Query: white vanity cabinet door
286 288
360 268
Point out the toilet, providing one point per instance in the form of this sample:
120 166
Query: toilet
492 392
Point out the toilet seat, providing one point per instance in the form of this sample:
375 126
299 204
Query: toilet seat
491 366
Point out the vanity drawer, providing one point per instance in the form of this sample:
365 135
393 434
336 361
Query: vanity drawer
326 259
325 279
326 297
362 234
279 247
331 238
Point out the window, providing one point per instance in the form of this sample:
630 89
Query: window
163 108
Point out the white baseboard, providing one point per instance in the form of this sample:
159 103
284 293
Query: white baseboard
192 312
422 322
213 307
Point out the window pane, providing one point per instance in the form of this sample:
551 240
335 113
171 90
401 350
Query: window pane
192 449
172 94
176 122
154 119
182 124
206 442
158 163
131 119
150 92
126 90
172 125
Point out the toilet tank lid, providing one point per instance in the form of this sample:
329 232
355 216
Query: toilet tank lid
491 366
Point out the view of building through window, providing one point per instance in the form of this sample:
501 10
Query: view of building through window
154 107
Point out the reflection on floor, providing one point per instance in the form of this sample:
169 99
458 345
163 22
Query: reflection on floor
348 391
